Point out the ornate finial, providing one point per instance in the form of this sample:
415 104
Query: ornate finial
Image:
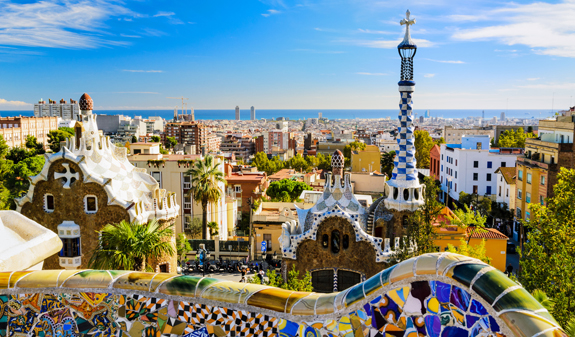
407 42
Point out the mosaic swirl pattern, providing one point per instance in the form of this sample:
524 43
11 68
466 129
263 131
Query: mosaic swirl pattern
435 295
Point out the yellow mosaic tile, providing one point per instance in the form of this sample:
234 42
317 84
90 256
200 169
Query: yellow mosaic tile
4 278
449 258
89 279
306 306
425 264
182 285
65 274
402 271
340 300
40 279
271 298
294 298
16 276
226 291
158 279
134 281
525 325
248 290
325 304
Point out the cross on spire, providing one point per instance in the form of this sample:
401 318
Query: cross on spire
68 175
407 22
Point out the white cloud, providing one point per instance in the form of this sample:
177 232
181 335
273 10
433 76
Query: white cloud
548 29
271 12
58 24
314 51
132 36
161 13
428 75
533 79
138 92
143 71
369 31
372 74
14 104
555 86
446 61
389 44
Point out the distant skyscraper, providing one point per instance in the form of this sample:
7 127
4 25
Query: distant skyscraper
427 114
237 113
421 119
319 115
503 116
483 114
253 113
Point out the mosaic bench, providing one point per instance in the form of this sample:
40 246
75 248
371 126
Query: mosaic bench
435 295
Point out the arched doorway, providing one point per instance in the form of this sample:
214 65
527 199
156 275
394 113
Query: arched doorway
322 280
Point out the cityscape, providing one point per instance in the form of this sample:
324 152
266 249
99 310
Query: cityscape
125 217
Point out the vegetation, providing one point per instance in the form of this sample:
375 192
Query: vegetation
286 190
353 146
472 201
128 245
293 283
205 177
298 163
423 144
387 163
57 136
67 129
421 227
33 145
194 229
171 142
155 139
213 228
549 253
517 138
134 139
466 249
182 246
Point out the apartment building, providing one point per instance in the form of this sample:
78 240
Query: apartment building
62 109
241 146
452 135
368 160
274 140
189 133
16 129
245 186
537 171
169 171
470 167
434 162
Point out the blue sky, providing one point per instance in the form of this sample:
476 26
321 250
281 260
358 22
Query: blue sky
286 54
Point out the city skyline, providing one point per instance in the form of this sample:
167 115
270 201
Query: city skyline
286 54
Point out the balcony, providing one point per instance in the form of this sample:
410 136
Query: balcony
533 163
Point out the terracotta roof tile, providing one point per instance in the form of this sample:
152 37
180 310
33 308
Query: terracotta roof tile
508 174
488 233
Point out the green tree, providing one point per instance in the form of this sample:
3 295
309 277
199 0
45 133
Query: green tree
194 229
213 228
423 144
270 167
353 146
182 246
298 163
205 177
128 245
17 154
16 177
55 137
33 145
421 225
324 162
548 255
387 163
155 139
134 139
287 190
68 130
3 147
466 249
516 138
294 282
171 142
466 217
312 161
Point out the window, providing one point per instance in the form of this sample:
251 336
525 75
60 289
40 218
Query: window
238 188
158 177
527 197
441 157
488 190
518 213
488 177
542 200
519 194
455 162
441 167
529 178
520 175
49 203
90 204
503 164
335 241
507 192
489 164
268 239
455 174
475 189
455 187
325 241
542 180
70 247
499 190
475 176
476 164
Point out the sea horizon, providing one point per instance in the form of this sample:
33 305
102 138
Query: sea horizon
299 114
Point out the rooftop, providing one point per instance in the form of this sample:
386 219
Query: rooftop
508 174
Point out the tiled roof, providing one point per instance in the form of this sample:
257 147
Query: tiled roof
487 233
508 174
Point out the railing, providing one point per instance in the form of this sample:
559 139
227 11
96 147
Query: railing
234 246
209 244
187 186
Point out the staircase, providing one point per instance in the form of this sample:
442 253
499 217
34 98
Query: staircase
370 223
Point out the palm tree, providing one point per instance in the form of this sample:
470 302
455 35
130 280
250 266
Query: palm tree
387 162
127 245
205 177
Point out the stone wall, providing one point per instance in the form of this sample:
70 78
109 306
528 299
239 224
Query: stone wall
433 295
312 255
69 205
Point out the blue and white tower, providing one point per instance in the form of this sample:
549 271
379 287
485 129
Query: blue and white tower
403 190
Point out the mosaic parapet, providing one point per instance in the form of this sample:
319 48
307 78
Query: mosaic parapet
435 295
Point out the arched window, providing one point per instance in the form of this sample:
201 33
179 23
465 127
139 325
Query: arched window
90 204
325 241
335 241
345 241
406 194
395 193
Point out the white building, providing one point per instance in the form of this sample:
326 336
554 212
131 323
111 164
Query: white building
237 113
63 109
470 166
253 113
